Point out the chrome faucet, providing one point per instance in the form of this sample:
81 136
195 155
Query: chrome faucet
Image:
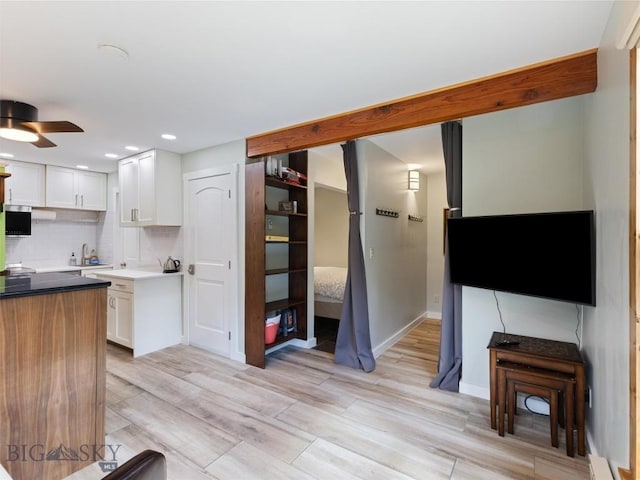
85 257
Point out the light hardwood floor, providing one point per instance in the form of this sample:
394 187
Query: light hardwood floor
304 417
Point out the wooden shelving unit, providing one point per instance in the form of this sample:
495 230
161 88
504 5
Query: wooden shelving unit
261 207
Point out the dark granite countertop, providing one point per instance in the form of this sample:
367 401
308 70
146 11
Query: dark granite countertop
24 285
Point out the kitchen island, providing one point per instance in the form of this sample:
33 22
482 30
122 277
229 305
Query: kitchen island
144 311
52 374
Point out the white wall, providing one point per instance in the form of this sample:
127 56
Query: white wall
606 327
397 273
331 221
326 167
521 160
436 203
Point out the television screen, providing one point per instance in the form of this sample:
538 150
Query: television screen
549 255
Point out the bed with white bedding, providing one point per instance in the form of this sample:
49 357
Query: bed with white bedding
329 284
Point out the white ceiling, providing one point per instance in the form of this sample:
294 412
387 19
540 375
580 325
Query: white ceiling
214 72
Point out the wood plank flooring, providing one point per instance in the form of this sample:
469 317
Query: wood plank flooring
304 417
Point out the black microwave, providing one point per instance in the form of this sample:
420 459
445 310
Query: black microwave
17 220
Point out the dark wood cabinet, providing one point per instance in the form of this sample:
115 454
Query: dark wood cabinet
276 254
52 382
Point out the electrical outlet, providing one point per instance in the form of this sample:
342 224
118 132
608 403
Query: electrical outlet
370 252
436 299
269 224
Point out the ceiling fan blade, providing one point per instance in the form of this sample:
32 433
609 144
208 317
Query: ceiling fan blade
53 127
44 142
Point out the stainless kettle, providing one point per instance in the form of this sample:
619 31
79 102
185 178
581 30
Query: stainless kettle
171 266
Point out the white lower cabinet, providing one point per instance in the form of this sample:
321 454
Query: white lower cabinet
120 313
144 313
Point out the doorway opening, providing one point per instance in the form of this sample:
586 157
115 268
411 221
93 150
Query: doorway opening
331 239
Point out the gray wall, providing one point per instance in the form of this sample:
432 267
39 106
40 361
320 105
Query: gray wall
396 275
521 160
331 228
436 203
606 328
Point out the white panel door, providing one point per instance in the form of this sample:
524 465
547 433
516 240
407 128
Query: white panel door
209 237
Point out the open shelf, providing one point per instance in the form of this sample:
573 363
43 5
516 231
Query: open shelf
290 278
276 182
282 213
279 271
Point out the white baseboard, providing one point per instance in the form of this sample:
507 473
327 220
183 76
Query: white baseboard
389 342
474 390
591 445
436 315
238 357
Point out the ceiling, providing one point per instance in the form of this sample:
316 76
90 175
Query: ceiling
214 72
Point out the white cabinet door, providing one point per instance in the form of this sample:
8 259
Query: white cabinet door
123 306
146 214
92 188
61 187
111 316
128 179
150 189
70 188
25 186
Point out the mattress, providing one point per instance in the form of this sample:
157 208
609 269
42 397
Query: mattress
322 298
329 282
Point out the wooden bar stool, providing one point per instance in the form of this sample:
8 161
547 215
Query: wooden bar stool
543 383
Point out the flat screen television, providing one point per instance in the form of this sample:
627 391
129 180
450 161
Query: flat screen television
548 255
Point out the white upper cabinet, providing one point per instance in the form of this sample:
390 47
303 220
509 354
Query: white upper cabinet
25 186
150 189
77 189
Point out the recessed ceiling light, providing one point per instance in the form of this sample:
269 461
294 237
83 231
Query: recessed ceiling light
168 136
132 148
82 167
111 155
7 155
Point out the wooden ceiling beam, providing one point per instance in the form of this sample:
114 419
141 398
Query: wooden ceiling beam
563 77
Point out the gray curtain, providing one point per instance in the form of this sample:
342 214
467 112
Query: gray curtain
450 361
353 343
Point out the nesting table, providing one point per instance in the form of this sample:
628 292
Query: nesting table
539 353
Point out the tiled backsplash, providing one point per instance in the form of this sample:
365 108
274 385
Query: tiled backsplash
51 242
160 242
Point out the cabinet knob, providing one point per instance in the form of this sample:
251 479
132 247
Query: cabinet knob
191 269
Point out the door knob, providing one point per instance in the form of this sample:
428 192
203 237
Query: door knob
191 269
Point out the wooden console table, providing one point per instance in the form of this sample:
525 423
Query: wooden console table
552 355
